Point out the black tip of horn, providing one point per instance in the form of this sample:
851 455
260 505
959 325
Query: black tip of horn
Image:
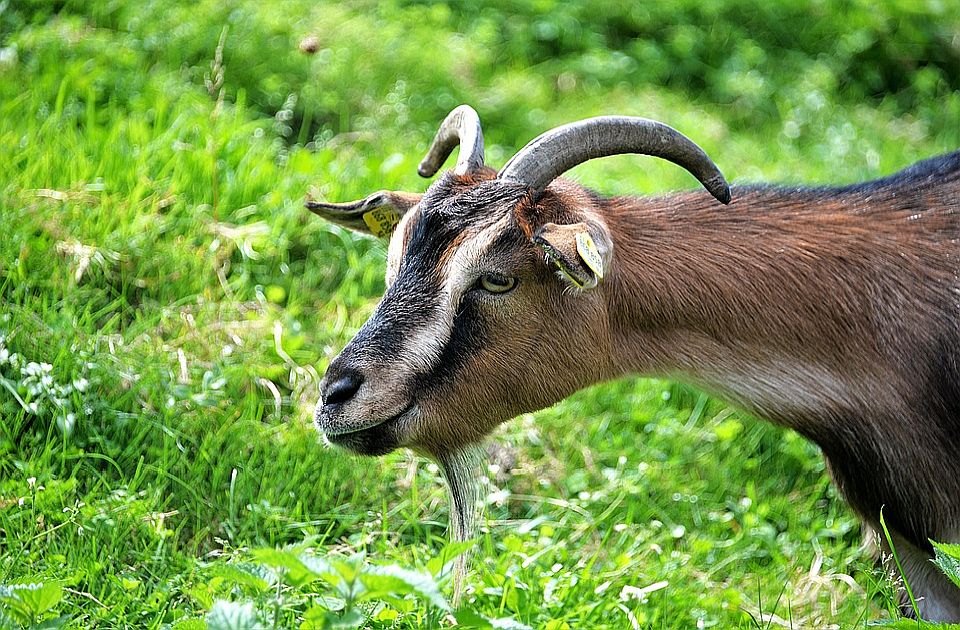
718 187
425 170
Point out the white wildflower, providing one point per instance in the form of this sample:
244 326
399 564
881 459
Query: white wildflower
66 423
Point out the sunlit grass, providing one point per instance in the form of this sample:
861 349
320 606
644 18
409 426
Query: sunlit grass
158 269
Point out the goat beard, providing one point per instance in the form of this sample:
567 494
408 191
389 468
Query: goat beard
461 470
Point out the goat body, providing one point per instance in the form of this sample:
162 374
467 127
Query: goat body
831 311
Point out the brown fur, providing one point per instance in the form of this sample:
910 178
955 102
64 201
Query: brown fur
835 312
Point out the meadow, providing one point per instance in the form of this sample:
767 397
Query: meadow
167 308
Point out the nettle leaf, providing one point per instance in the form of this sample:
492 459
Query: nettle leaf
319 566
50 624
470 619
443 561
33 599
328 602
351 619
348 568
257 577
296 573
948 559
391 580
341 573
317 618
476 621
232 616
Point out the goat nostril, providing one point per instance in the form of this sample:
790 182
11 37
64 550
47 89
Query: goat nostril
342 389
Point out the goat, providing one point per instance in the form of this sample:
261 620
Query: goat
832 311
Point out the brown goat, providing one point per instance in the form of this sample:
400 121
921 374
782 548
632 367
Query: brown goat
832 311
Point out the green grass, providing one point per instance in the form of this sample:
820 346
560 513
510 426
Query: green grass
157 258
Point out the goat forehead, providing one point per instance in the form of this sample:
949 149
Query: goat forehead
435 234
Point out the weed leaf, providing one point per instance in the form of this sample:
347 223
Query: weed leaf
443 561
389 580
30 600
296 572
232 616
255 576
948 559
470 619
319 619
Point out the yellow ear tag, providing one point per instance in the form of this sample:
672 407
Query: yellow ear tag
381 221
589 253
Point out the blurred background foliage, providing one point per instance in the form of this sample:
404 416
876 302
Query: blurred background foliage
408 63
171 306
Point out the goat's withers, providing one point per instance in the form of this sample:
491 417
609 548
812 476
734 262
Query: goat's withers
831 311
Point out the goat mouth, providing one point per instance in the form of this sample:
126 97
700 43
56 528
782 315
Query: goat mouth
378 439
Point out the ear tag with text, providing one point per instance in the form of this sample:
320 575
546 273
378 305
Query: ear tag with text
381 221
589 253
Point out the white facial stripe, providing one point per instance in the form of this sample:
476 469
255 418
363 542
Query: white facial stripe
422 347
395 248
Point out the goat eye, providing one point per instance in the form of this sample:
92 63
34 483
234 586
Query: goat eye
495 283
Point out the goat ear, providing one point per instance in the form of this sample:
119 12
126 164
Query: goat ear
377 214
581 251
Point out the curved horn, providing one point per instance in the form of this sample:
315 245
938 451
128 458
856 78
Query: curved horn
461 126
553 153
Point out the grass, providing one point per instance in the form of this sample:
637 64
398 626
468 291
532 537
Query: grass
171 308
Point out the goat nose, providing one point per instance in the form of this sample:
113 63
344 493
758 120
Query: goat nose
342 389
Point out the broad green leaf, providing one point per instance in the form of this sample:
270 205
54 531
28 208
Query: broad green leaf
440 563
201 595
386 614
329 602
470 619
232 616
351 619
320 567
38 597
50 624
190 624
255 576
389 580
948 559
348 568
296 573
317 618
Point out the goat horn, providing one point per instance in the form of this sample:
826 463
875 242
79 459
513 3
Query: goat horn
461 126
553 153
